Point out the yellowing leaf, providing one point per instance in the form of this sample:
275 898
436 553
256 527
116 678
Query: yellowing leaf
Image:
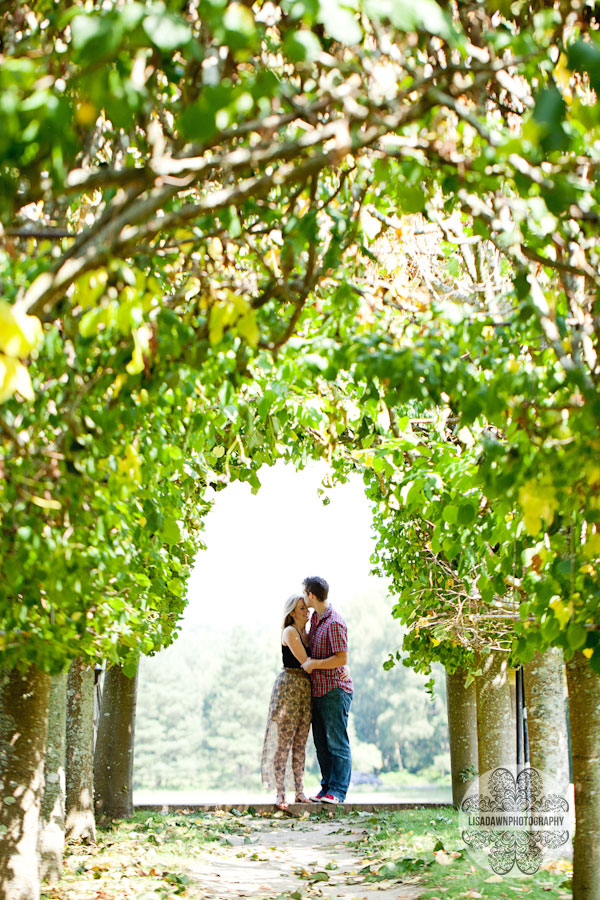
19 333
588 652
193 287
562 611
85 113
538 502
248 328
215 248
592 546
141 339
43 503
89 288
130 465
563 77
220 317
14 378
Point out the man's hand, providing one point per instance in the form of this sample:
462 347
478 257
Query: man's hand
308 665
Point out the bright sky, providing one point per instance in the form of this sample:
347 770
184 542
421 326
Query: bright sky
260 547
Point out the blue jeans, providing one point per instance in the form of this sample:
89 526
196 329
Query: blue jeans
330 734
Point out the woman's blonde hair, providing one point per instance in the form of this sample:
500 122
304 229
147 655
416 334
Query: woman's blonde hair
289 607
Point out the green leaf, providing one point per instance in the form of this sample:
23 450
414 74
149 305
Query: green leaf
450 513
96 36
301 9
340 22
595 663
407 15
466 514
584 56
549 113
130 667
410 198
302 46
239 25
167 31
319 876
576 635
170 531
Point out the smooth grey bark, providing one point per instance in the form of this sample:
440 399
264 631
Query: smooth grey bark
496 744
461 703
584 708
23 724
113 759
544 679
52 824
79 812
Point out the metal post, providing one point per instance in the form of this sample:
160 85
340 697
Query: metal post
524 717
519 715
98 685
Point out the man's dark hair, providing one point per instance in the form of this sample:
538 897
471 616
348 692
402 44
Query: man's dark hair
317 586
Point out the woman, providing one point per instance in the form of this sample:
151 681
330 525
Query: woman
290 709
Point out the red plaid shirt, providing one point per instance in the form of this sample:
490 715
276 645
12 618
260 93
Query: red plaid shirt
326 637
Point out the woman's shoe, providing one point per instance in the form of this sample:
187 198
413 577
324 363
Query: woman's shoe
302 798
280 802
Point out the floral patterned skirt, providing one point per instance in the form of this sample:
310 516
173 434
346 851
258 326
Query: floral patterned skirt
287 730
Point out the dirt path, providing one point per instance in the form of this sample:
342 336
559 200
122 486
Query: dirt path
298 859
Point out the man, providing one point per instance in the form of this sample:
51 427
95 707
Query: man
332 691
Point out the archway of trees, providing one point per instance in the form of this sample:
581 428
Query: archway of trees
215 680
234 233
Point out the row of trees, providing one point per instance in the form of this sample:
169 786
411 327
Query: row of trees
196 284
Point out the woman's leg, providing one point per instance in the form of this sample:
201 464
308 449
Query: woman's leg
299 752
285 736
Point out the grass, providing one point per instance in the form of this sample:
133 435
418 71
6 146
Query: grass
142 857
426 848
154 856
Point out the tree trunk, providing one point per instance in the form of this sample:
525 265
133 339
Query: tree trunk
546 719
584 706
52 826
461 703
80 753
113 759
496 740
23 725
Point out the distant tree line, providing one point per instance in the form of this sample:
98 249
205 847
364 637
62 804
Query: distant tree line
202 706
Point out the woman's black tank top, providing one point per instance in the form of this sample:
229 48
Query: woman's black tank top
289 660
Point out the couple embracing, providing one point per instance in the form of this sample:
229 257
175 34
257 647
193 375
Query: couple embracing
314 685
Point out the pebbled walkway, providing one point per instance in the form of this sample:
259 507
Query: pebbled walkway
291 859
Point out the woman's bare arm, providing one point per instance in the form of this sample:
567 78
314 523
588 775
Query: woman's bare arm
291 639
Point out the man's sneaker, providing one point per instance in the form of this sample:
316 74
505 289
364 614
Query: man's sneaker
318 798
330 798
